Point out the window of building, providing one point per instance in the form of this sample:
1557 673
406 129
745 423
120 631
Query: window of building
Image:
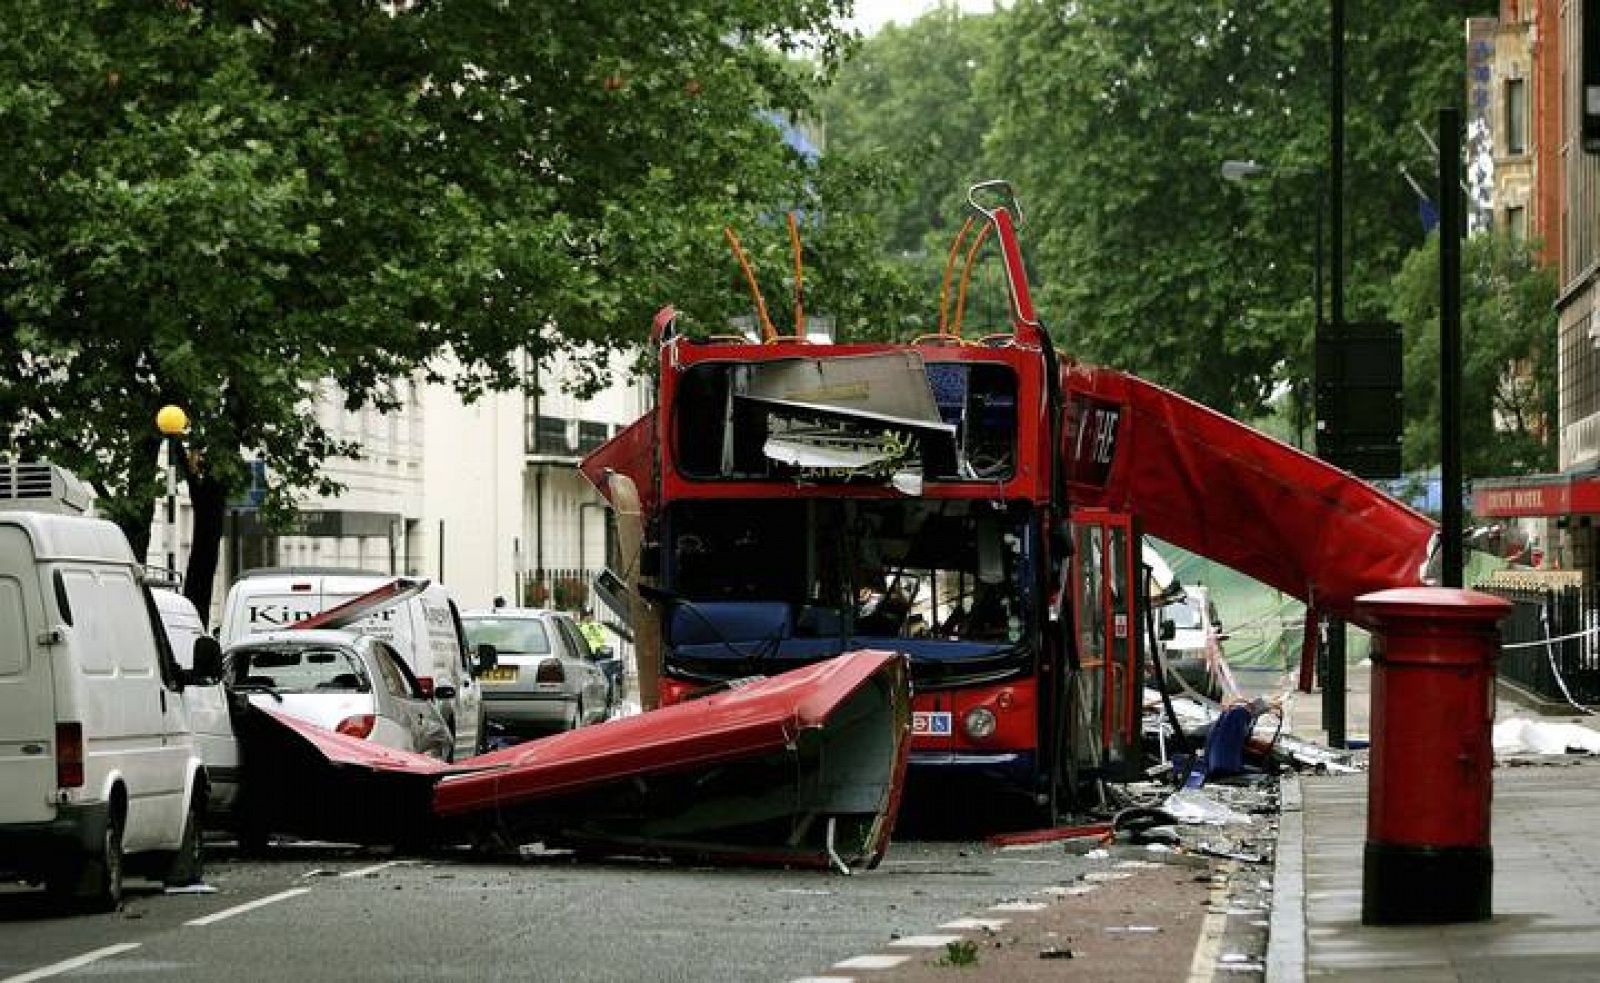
549 435
1517 222
591 434
1578 374
1516 116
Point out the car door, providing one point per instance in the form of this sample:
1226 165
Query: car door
593 684
403 702
469 692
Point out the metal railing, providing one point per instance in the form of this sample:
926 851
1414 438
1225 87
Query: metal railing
1550 631
565 589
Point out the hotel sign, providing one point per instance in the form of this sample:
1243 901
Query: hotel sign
1552 499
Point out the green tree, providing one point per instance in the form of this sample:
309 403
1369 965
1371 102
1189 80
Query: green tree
1508 357
225 205
907 96
1114 116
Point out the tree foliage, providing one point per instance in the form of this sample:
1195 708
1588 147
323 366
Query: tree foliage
223 204
1508 356
1116 115
908 96
1112 117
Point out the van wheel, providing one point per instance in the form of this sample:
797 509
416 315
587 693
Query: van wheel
188 864
98 880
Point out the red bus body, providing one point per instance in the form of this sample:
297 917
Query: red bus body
801 500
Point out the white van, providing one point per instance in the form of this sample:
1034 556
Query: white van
425 629
97 761
204 698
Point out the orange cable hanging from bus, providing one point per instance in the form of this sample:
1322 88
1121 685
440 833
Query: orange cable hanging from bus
949 271
768 333
966 278
799 279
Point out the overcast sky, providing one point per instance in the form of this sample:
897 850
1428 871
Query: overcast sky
873 14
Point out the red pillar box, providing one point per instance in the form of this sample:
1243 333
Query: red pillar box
1428 859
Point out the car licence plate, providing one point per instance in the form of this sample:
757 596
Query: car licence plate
931 723
501 674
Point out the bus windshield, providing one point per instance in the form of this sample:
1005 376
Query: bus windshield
949 570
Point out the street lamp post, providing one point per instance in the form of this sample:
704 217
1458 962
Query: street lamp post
173 423
1240 171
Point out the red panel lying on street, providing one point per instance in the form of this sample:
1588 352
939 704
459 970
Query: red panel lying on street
802 768
805 768
1212 485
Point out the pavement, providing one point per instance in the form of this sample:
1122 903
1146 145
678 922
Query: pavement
1546 889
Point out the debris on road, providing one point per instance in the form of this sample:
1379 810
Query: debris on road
801 769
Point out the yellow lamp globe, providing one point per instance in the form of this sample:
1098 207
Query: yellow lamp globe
172 420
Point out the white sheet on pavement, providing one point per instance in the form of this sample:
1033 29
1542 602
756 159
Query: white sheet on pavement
1522 736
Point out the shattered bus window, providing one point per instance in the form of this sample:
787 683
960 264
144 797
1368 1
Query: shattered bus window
863 419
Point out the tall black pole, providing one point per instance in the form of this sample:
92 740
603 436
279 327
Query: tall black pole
1336 165
1316 272
1333 683
1450 344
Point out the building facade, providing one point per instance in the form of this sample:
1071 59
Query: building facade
1566 180
482 496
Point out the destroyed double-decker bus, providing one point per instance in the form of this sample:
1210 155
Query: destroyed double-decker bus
800 500
837 518
977 505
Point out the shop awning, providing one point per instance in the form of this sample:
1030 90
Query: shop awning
1535 495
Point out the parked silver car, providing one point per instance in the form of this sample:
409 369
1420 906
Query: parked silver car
353 684
546 678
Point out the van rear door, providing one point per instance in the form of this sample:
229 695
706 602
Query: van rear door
27 692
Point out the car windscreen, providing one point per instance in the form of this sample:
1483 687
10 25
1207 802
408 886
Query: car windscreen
296 669
509 636
1184 614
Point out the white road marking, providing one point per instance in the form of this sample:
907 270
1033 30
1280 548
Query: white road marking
968 924
825 979
1071 892
1208 947
76 962
364 871
1020 906
925 941
248 906
872 962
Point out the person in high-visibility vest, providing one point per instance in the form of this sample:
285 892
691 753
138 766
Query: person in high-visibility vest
595 635
593 632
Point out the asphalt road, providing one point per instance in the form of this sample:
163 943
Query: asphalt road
319 913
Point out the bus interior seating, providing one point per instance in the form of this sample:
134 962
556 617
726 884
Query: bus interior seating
710 628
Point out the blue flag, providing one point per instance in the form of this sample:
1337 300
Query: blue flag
1428 212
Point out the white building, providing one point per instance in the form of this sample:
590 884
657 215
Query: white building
506 512
484 497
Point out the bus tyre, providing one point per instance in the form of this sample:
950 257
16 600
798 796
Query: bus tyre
187 865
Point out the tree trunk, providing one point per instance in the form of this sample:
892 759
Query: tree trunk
209 499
